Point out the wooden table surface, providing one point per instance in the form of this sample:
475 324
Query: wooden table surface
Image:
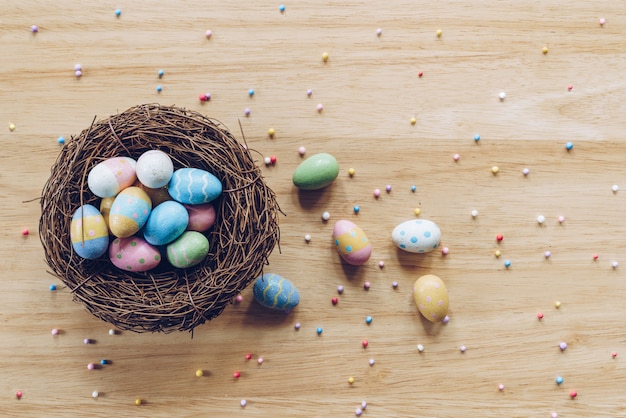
370 89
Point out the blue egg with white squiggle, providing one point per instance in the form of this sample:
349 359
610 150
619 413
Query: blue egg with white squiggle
275 292
193 186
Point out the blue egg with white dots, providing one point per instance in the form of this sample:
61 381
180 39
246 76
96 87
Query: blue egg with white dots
417 236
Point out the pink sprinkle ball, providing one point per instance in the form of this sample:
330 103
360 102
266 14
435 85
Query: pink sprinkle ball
260 360
243 403
394 285
78 67
376 193
388 188
462 348
614 354
358 412
309 92
364 343
445 251
248 356
547 254
379 32
19 394
55 331
563 346
340 289
246 112
372 362
238 299
236 375
381 264
297 326
540 316
91 366
320 107
602 21
570 87
34 28
78 73
456 157
208 34
366 285
88 341
561 219
25 231
301 150
500 387
554 415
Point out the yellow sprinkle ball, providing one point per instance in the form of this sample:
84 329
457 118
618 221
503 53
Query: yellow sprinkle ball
325 56
271 132
138 401
495 169
557 304
11 127
413 121
351 172
417 211
439 33
498 253
351 380
544 50
199 373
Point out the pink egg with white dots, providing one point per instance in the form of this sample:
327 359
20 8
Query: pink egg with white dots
431 297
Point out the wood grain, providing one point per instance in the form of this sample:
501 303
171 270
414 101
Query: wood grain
370 90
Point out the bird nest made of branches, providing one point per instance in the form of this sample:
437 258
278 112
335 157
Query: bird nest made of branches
165 299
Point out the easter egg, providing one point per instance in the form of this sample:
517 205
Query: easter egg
129 212
201 217
111 176
133 254
188 250
165 223
154 169
316 172
88 232
416 236
431 297
105 208
275 292
351 243
193 186
157 196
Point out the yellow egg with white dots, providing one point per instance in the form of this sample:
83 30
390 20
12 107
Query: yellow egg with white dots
431 297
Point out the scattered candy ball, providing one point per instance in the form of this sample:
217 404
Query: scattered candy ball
61 140
416 236
394 285
474 213
351 172
420 74
388 188
569 87
413 188
476 138
376 193
334 301
281 8
112 332
372 362
563 346
446 319
445 251
615 264
540 316
95 394
316 172
547 254
431 297
319 330
275 292
34 28
507 263
267 160
351 380
558 380
138 401
366 285
325 216
602 21
495 169
53 287
462 348
439 33
569 145
561 219
499 237
614 354
208 34
420 348
243 403
413 121
25 232
381 264
541 219
502 95
351 243
573 394
320 107
525 171
307 238
557 304
54 331
501 387
309 92
246 111
325 56
340 289
199 373
379 32
19 394
615 188
368 320
238 299
364 343
118 12
91 366
160 73
456 157
301 150
356 209
271 132
297 326
251 92
497 253
544 50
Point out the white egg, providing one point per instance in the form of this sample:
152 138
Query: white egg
417 236
154 169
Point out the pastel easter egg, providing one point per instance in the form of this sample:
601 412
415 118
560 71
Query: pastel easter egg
351 243
88 232
201 217
275 292
165 223
416 236
105 208
133 254
129 212
154 169
193 186
111 176
431 297
157 196
316 172
188 250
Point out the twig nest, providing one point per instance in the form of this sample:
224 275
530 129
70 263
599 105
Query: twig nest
173 296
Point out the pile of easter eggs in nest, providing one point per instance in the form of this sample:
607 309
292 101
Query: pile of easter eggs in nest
354 248
147 211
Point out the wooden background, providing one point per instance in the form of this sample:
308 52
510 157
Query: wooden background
370 90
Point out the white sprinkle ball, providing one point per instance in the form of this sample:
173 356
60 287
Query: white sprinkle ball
462 348
307 238
547 254
474 213
420 348
325 216
78 67
614 264
525 171
95 394
502 95
372 362
561 219
541 219
111 332
267 161
363 405
379 31
615 188
243 403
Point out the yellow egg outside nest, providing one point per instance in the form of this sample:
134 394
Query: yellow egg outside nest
431 297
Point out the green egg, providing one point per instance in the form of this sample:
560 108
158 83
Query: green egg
188 250
316 172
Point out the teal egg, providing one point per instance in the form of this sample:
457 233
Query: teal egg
193 186
275 292
165 223
316 172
